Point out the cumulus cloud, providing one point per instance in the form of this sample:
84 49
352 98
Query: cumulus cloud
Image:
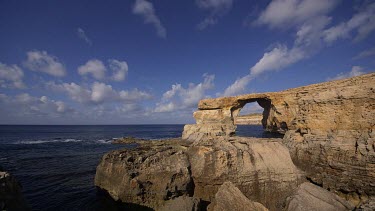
41 61
99 93
362 22
179 98
11 76
355 71
82 35
216 8
146 10
288 13
97 69
94 67
119 68
26 105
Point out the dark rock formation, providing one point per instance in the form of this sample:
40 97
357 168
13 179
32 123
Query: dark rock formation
229 197
314 198
10 193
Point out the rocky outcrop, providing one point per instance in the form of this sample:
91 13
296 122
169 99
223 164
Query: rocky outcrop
229 197
11 197
330 130
252 119
314 198
148 175
329 140
261 168
325 107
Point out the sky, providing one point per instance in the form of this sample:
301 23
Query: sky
151 61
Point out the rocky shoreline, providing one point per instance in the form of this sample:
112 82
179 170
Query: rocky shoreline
326 160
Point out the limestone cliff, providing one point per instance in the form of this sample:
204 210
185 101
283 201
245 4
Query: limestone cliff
329 140
329 129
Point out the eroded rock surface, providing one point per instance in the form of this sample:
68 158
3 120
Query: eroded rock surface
314 198
261 168
148 175
229 197
329 135
330 130
182 203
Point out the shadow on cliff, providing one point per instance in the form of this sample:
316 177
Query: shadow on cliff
105 202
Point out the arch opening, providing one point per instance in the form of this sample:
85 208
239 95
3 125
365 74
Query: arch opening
251 119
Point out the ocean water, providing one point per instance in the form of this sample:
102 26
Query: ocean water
56 164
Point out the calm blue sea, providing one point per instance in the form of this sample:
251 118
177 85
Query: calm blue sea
56 164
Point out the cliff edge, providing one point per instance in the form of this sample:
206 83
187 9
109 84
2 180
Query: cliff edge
329 142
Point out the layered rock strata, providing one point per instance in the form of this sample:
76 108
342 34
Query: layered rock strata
329 140
229 197
311 197
330 130
261 168
159 171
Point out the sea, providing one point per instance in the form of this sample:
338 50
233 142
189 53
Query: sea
56 164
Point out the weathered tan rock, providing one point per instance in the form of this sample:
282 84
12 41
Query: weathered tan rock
11 197
314 198
148 175
182 203
324 107
330 130
261 168
229 197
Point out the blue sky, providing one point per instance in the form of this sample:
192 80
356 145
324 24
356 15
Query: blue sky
150 62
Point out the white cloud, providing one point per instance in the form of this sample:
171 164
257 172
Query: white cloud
41 61
365 53
362 22
146 10
98 69
11 76
99 93
307 17
82 35
180 98
216 8
119 68
288 13
94 67
24 104
355 71
238 87
276 59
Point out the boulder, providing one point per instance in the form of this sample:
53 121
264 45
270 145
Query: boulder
229 197
147 176
314 198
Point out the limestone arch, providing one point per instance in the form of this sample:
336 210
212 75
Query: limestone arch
265 103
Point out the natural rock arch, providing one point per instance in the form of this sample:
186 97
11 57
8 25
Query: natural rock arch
215 117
